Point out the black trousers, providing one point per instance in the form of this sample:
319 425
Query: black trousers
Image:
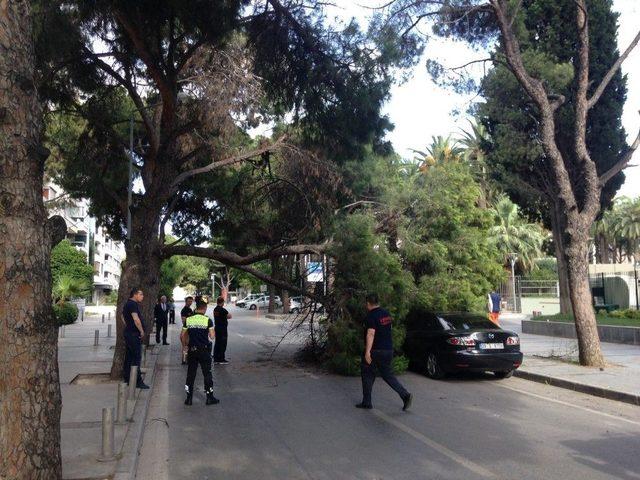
201 356
132 356
161 325
220 346
380 365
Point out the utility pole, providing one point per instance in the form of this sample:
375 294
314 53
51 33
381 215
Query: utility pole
213 286
513 258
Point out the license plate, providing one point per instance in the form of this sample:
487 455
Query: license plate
491 346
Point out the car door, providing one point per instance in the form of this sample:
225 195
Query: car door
423 332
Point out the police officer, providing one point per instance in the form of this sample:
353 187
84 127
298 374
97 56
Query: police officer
199 331
221 318
185 313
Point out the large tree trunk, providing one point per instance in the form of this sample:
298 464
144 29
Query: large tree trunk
582 302
563 275
29 383
141 269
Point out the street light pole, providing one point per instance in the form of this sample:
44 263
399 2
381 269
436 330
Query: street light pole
130 182
636 264
213 286
513 257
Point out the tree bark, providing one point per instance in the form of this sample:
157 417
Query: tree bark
563 276
582 302
29 384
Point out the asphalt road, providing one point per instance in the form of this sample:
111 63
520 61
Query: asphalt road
280 420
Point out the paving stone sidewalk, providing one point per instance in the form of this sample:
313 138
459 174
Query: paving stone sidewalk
553 360
81 422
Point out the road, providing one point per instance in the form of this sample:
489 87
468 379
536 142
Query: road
280 420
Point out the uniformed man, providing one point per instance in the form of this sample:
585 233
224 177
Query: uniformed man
221 318
185 313
378 354
199 331
133 335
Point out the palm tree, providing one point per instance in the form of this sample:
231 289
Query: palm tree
474 142
68 287
442 150
512 234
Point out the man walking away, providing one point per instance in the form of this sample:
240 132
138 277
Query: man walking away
493 305
161 314
185 313
199 330
221 318
133 335
172 311
378 354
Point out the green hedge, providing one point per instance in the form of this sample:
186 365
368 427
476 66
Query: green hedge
66 313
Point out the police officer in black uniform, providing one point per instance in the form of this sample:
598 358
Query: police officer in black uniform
221 318
199 331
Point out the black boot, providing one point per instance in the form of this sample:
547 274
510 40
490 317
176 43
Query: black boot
211 400
189 399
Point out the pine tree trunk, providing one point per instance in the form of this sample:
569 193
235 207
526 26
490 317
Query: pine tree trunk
29 383
563 275
141 269
582 301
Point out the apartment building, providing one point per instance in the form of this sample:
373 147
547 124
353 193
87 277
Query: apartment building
85 234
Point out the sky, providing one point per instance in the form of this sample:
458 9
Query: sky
419 109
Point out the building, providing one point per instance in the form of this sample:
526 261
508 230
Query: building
83 231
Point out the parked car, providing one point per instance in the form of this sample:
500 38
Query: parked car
305 303
442 343
294 305
252 296
263 302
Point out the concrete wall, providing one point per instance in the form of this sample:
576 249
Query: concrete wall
626 335
546 305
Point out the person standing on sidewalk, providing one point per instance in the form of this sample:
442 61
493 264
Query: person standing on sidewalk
221 318
378 354
200 332
161 314
493 305
172 311
185 313
133 335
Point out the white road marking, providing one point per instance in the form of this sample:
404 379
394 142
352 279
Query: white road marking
468 464
240 335
567 404
254 343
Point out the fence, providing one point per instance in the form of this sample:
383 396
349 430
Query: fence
614 290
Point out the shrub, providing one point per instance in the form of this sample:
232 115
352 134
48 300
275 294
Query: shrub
66 313
628 313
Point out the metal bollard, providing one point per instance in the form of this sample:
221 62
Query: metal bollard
109 316
108 435
82 314
96 338
121 414
62 331
109 331
144 356
103 318
133 379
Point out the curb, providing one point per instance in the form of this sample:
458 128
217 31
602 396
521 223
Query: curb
601 392
127 466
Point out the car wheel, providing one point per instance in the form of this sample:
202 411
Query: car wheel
434 369
252 307
294 310
506 374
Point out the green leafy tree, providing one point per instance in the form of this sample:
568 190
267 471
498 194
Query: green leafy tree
554 101
512 234
195 76
67 287
67 262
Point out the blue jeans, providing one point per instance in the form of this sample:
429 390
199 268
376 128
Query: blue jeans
380 365
133 355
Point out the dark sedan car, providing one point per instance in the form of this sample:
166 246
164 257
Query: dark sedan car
441 343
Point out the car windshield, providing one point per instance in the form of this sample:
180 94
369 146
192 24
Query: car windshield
464 322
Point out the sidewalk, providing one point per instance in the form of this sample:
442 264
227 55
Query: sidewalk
82 403
553 360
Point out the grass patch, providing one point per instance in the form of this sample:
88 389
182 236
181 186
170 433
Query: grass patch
601 319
